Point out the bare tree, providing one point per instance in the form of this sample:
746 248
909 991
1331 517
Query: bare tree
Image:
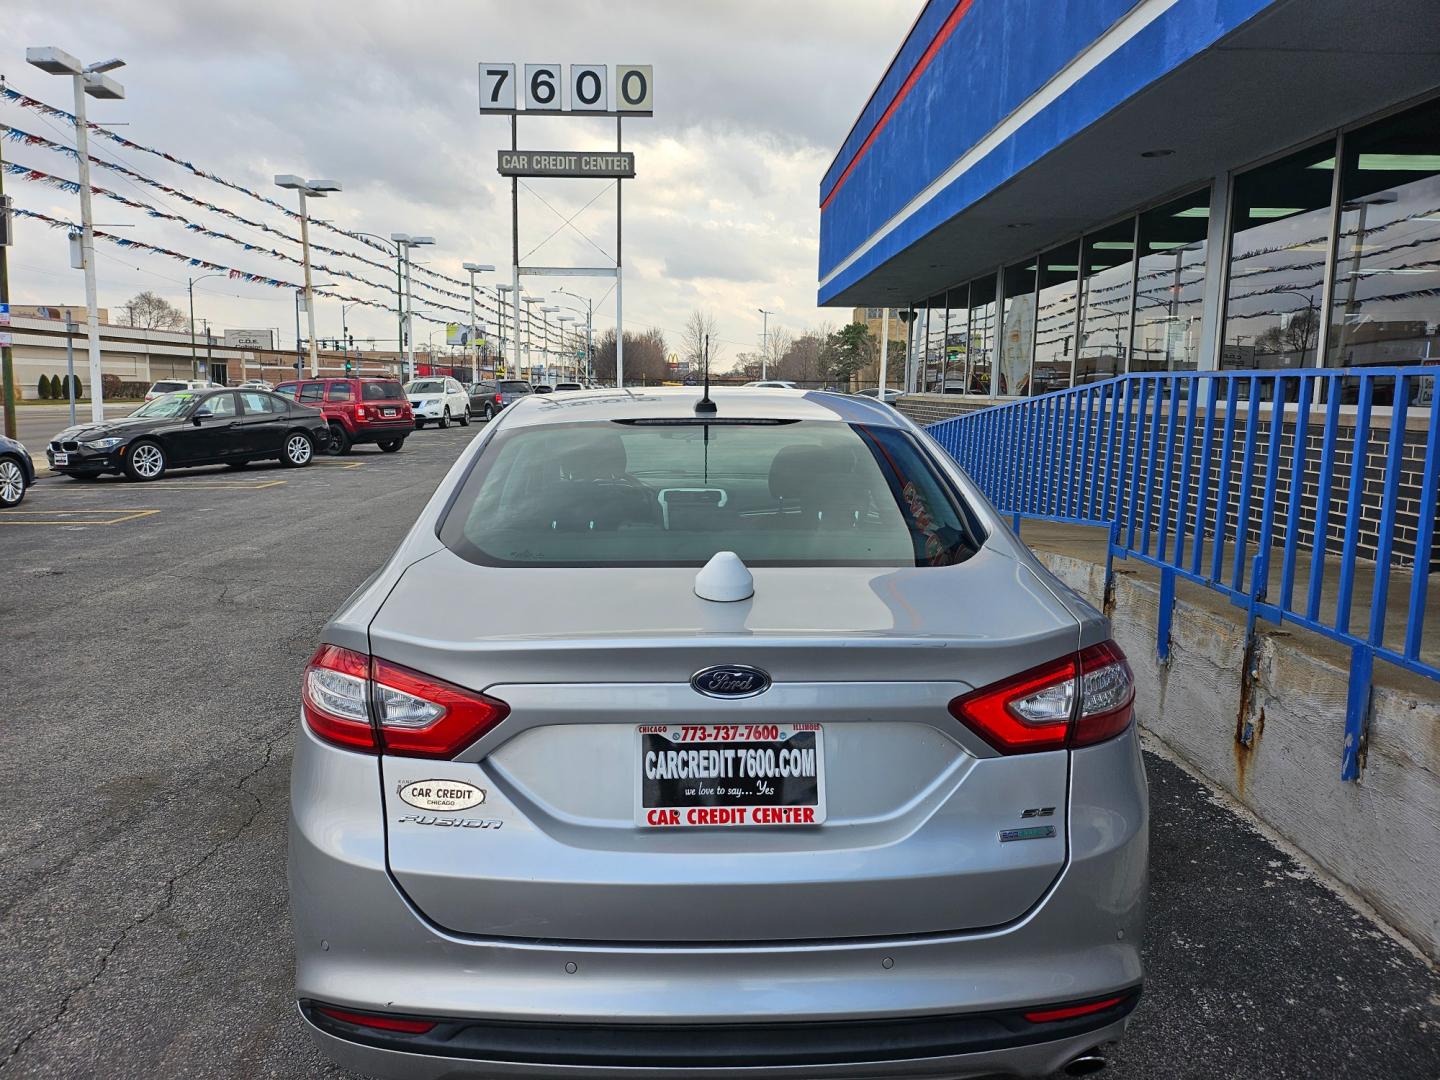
699 325
644 357
151 312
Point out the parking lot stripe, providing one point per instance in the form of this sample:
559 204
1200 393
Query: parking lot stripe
70 517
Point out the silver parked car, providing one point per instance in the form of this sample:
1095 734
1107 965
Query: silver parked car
770 752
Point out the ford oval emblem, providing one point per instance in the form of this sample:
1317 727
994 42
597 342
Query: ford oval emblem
730 681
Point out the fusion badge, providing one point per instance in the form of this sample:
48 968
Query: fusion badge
442 794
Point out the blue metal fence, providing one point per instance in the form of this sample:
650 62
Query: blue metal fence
1214 477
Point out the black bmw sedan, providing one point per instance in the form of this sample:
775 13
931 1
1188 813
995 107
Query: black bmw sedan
17 472
189 427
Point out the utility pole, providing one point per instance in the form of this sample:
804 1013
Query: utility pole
7 364
764 342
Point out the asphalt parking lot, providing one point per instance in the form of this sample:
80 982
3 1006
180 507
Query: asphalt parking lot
151 640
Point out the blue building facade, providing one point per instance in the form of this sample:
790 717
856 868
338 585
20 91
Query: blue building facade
1065 190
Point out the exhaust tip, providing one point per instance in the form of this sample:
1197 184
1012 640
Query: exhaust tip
1087 1064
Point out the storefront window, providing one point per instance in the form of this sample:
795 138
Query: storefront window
1107 269
1170 285
1385 308
982 338
1279 246
932 356
1055 318
956 340
1017 329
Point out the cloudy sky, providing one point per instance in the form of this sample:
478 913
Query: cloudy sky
752 98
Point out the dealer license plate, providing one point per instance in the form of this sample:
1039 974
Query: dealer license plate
62 457
730 775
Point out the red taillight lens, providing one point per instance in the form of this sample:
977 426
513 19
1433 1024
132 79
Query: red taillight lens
1073 701
421 716
335 698
499 399
1026 713
380 1023
1069 1012
1107 695
348 695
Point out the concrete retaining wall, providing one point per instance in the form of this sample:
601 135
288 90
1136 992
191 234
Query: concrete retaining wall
1275 746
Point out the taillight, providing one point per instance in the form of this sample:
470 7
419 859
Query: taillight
499 398
373 706
1074 701
1070 1012
360 412
377 1021
336 698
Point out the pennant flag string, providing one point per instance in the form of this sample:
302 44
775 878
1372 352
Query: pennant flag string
28 139
231 272
28 102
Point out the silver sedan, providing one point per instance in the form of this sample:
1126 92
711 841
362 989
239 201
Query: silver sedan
767 751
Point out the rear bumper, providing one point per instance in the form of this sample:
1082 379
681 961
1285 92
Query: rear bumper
372 433
955 1046
361 945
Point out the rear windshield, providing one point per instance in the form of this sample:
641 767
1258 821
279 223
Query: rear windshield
799 493
515 387
166 387
430 386
381 391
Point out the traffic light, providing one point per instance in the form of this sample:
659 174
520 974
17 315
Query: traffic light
348 366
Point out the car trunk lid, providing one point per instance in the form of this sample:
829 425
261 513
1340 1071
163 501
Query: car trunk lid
915 807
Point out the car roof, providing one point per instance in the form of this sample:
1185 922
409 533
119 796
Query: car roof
678 403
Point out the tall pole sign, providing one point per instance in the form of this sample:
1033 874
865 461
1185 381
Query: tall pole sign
507 89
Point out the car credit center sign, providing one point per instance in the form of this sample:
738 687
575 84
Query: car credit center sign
612 163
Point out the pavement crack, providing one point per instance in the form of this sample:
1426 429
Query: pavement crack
164 905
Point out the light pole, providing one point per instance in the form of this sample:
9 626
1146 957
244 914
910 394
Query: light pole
299 363
194 360
589 331
405 242
764 342
316 189
501 291
545 318
394 249
87 79
475 268
573 363
529 328
344 334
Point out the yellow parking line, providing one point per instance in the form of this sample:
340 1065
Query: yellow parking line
340 464
68 517
226 485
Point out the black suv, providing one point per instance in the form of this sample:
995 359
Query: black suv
488 398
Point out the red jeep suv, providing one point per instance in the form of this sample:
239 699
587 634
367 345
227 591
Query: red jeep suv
357 410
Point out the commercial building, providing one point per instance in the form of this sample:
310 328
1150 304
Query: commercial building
1065 192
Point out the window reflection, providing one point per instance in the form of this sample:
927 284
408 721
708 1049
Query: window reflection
1279 244
1385 307
1055 318
933 357
1170 285
956 341
982 338
1107 267
1017 334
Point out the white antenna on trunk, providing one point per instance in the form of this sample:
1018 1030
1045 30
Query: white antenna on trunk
725 579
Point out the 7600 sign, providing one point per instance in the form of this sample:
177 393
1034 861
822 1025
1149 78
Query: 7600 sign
542 88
